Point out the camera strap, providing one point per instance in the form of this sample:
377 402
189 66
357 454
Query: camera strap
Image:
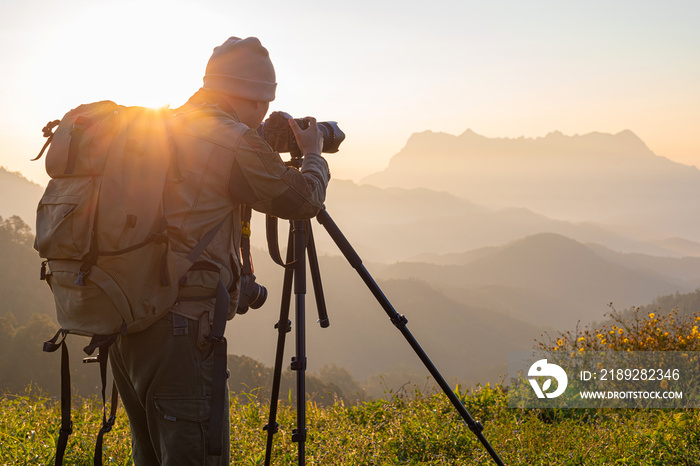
246 215
273 240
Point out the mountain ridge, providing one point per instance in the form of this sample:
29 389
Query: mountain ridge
576 281
582 177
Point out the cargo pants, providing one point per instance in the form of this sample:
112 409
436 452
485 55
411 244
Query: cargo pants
164 379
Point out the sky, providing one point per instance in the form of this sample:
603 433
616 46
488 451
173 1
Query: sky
382 69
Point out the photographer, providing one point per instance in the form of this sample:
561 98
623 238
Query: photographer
165 373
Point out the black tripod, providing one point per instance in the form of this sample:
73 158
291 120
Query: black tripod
300 242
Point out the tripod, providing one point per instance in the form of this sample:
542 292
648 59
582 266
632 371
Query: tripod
299 243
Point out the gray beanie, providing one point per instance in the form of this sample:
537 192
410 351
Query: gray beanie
241 68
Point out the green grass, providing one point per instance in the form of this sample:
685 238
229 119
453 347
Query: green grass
414 428
420 429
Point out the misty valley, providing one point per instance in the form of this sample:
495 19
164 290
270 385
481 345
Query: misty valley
483 244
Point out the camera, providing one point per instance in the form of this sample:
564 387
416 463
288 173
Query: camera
251 294
276 131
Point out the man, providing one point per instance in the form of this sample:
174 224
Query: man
164 374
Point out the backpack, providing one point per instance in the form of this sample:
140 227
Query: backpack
101 229
100 223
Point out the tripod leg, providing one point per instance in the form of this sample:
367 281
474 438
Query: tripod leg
283 327
400 322
299 361
316 278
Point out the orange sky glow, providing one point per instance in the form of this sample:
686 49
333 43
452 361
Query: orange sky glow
383 71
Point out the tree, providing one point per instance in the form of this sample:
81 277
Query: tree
16 230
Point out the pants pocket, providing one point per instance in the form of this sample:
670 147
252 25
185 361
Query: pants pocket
183 429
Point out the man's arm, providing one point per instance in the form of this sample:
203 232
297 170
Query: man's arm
260 178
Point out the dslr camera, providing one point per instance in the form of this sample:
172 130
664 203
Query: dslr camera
276 131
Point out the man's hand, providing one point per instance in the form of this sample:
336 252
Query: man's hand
309 140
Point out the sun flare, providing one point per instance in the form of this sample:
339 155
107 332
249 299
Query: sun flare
132 58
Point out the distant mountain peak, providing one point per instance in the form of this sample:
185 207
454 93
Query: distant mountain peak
590 176
555 134
469 134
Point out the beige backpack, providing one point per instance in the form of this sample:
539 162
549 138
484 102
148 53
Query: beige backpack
101 228
100 223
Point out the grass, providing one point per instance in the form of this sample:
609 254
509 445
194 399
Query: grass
411 428
420 429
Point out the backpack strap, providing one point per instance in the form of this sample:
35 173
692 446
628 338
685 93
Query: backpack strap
103 343
48 134
218 340
66 423
76 135
220 374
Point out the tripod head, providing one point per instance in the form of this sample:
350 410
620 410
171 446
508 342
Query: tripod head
296 160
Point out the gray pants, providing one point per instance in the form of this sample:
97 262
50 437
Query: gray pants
164 379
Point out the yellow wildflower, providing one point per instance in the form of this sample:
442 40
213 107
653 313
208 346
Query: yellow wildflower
560 342
652 315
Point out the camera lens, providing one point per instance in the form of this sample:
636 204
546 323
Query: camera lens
258 296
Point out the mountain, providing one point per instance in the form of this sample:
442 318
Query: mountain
550 280
583 177
19 196
390 224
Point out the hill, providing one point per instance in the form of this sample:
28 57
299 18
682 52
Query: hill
391 224
18 196
21 291
548 279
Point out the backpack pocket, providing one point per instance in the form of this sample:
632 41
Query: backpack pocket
65 218
87 304
115 295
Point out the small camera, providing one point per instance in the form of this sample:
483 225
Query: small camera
251 294
276 131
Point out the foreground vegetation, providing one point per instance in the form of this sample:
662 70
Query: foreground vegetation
414 427
421 429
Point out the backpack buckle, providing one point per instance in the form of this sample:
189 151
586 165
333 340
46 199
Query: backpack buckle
42 276
215 339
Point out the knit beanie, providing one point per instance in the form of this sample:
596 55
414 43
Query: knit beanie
241 68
